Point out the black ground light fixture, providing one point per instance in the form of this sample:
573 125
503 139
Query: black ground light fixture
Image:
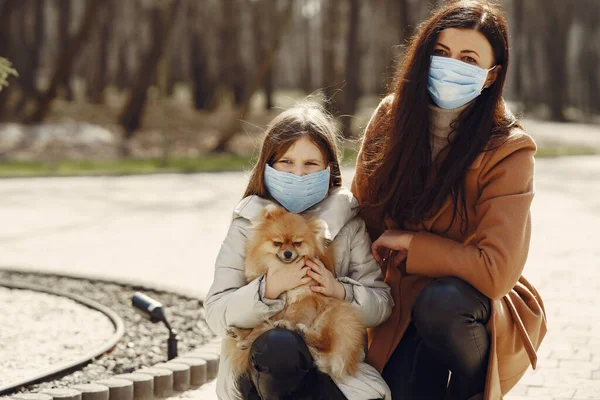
154 311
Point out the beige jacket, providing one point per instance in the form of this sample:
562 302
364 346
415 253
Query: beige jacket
232 302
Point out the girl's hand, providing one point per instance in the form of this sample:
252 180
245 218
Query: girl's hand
286 277
392 239
328 285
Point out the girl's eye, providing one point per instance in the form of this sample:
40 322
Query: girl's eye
277 244
311 163
285 161
297 244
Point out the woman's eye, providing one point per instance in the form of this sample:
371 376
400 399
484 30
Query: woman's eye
297 244
277 244
439 52
470 60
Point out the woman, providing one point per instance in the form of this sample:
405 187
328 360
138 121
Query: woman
445 178
298 168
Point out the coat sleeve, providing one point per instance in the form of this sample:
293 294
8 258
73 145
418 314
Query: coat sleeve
371 142
364 283
230 301
494 257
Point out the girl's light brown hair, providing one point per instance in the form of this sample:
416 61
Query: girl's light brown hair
306 119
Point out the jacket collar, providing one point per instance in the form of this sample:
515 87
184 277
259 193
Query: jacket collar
336 209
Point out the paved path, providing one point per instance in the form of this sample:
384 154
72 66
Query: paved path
165 231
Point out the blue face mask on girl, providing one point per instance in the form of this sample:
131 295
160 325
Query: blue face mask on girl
296 193
453 83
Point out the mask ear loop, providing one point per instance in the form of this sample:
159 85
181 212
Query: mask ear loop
486 75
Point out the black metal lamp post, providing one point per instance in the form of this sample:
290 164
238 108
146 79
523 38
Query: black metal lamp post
154 311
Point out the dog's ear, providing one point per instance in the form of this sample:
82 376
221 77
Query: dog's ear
272 211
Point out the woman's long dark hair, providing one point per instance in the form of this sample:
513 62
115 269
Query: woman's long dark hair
401 166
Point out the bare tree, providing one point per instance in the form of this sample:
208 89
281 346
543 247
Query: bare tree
97 60
234 127
134 108
559 16
330 30
64 37
203 87
351 92
65 61
232 70
263 10
7 9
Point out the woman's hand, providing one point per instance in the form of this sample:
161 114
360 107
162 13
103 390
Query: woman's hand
286 277
328 285
392 239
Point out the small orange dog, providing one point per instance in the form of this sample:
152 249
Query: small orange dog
330 327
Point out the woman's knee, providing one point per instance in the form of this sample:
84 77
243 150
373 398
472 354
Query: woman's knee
446 301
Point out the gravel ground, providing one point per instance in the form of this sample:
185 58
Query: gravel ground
143 344
61 329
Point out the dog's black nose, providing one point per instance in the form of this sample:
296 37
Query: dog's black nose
287 254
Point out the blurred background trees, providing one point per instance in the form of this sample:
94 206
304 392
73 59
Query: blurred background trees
123 55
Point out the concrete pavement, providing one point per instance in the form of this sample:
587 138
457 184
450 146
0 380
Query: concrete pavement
164 231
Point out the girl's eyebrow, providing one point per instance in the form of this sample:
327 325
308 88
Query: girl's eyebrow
462 51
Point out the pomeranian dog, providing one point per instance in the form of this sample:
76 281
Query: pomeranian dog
330 327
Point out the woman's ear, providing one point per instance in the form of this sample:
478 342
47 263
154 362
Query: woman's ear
492 76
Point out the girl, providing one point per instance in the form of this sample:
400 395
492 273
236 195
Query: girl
298 168
445 175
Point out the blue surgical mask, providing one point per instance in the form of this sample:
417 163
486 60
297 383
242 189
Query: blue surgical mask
453 83
297 193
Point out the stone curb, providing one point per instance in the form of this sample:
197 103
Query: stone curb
186 372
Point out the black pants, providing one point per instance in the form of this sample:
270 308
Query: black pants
447 334
282 368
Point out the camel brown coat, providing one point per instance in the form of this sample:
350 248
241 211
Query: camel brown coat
491 256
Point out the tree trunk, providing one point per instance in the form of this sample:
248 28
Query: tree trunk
351 90
518 48
234 127
132 112
64 21
406 26
202 85
269 8
27 60
559 20
65 62
7 9
232 69
98 55
330 32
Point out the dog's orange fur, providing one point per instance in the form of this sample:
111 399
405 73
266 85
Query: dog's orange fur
330 327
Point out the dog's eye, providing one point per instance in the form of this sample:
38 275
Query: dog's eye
297 244
278 244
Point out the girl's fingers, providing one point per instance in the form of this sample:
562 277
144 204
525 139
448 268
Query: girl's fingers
314 266
316 277
318 289
318 262
304 281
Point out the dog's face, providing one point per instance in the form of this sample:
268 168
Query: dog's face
288 236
